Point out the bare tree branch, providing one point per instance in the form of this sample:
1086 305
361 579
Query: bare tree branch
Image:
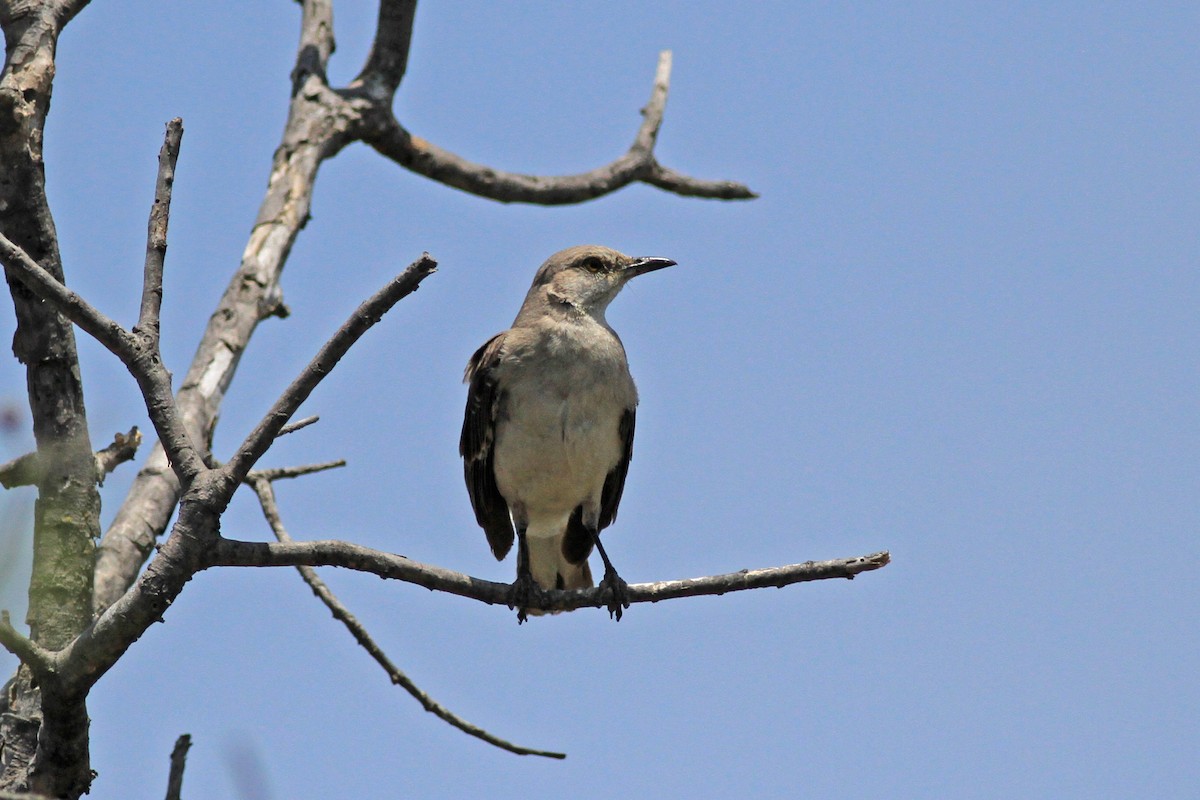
196 532
365 316
687 186
292 427
318 126
232 553
156 235
99 646
266 498
391 139
385 66
280 473
178 762
142 363
652 113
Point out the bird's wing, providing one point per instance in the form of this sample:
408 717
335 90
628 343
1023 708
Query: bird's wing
614 483
476 447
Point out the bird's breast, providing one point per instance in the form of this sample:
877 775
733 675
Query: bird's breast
557 434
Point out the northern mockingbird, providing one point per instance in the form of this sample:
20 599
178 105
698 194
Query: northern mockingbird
548 430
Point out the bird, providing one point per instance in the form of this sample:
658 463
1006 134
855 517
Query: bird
547 433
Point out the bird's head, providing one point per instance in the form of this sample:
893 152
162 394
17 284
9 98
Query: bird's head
588 277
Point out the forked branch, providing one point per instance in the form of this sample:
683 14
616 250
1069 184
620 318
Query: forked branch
196 531
139 357
638 164
261 483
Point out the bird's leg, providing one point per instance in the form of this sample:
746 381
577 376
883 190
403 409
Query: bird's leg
612 584
524 588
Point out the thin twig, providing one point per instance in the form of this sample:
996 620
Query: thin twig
232 553
280 473
292 427
367 314
156 234
652 113
266 498
178 762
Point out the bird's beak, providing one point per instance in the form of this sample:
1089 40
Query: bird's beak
641 266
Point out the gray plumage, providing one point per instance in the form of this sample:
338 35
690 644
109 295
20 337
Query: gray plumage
548 431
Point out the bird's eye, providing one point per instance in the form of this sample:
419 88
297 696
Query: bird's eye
593 264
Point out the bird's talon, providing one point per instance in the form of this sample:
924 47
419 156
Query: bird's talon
616 592
520 594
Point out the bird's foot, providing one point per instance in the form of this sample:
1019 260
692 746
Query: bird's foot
523 592
616 591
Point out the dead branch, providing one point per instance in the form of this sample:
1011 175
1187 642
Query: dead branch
196 532
178 762
270 508
386 63
317 128
365 316
638 164
156 236
281 473
292 427
233 553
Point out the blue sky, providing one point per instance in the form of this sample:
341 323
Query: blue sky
959 325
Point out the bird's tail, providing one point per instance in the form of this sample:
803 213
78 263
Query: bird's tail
550 567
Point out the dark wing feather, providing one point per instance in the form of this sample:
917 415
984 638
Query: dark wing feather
484 401
577 544
614 484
